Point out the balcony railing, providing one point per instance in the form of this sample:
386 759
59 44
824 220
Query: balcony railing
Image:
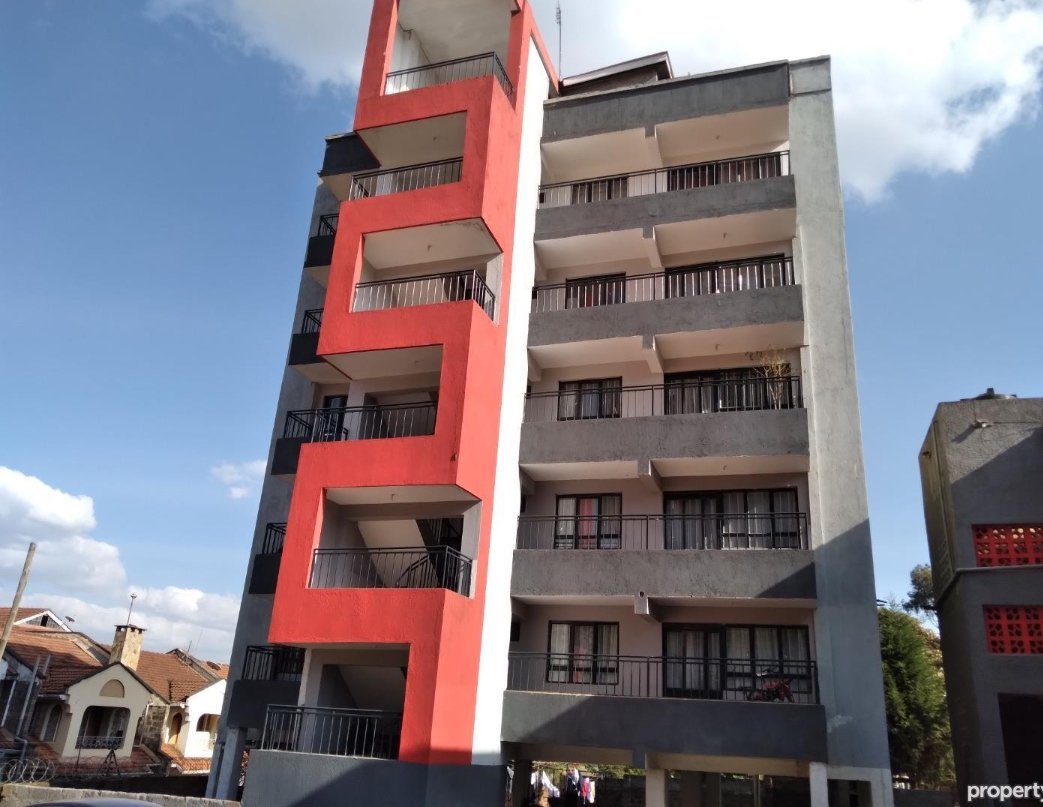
404 292
311 322
690 281
327 224
433 567
273 663
688 397
274 536
654 532
341 732
408 178
413 78
664 677
106 742
361 422
663 180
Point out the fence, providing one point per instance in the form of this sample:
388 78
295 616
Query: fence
341 732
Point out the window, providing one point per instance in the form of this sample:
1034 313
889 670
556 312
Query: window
588 522
599 190
734 519
719 278
737 390
1014 629
112 689
583 653
1009 545
593 291
589 400
703 661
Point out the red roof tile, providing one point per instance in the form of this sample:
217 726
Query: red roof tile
70 661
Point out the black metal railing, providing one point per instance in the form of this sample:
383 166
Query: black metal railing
105 742
274 537
341 732
664 677
688 281
451 287
663 180
273 663
361 422
327 224
688 397
427 75
419 567
311 322
408 178
651 532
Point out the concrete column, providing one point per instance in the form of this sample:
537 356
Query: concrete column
520 784
655 787
691 789
818 784
711 790
224 780
880 787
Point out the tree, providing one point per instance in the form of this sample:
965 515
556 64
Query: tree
914 696
921 593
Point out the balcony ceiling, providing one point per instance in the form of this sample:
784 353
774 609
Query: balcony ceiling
398 494
420 141
432 243
681 466
400 362
452 29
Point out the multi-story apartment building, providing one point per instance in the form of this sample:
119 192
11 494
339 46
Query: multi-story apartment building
982 471
566 464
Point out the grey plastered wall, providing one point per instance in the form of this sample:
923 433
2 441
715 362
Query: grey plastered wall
255 610
665 208
847 632
648 725
981 464
781 574
286 779
720 434
670 100
647 319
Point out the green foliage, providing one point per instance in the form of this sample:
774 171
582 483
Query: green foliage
921 592
914 694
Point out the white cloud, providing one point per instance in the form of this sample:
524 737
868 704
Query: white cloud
78 575
241 478
920 85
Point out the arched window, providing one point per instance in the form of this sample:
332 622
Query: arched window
207 723
113 689
174 734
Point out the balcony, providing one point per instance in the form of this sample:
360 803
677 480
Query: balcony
319 255
663 180
699 706
688 427
365 733
448 72
396 567
270 674
273 663
405 292
304 351
407 178
720 531
105 742
377 422
266 562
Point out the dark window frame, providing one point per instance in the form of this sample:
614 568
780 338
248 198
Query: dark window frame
609 398
602 538
599 672
779 534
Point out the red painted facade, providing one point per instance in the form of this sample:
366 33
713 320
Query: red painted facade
441 628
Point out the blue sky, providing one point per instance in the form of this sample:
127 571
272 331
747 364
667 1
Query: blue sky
156 174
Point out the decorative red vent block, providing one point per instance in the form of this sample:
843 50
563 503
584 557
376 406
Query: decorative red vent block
1016 629
1009 545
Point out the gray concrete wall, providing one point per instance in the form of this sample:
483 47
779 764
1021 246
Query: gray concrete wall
285 779
680 314
981 464
650 725
720 434
24 795
664 101
665 208
743 574
847 631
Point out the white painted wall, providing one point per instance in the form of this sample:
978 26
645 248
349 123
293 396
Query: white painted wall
207 701
492 669
87 693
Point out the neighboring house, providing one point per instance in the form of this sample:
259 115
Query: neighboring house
76 700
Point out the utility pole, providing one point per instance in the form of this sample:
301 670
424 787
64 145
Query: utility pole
557 18
13 616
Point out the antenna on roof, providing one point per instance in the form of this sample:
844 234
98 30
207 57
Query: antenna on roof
557 18
133 596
